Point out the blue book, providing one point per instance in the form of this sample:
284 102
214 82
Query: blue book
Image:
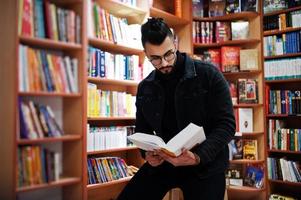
39 18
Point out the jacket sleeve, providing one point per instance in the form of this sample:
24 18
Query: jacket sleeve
141 124
221 119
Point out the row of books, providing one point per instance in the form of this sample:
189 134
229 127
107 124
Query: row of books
211 32
282 21
284 102
231 58
37 165
38 18
289 68
113 66
101 138
244 91
252 177
284 138
103 103
103 25
273 5
106 169
283 169
37 121
212 8
243 149
282 44
41 70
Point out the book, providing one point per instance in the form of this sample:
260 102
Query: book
250 150
245 120
248 59
197 8
216 8
247 90
249 5
190 136
240 30
236 149
230 58
232 6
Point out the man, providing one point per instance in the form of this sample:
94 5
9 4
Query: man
179 91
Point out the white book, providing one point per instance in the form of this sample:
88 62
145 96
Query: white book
245 118
187 138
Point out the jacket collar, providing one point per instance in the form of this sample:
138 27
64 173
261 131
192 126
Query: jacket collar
189 71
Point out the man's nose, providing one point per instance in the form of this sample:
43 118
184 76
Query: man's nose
164 63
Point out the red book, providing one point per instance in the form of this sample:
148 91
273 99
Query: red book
230 58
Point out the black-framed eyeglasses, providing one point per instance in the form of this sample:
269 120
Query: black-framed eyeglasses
168 56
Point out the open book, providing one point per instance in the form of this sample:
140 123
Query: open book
187 138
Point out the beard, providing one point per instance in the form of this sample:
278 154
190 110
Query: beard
167 69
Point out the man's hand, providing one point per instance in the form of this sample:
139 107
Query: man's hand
153 158
185 159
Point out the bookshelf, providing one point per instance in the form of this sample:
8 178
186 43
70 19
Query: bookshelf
282 119
135 14
253 41
67 106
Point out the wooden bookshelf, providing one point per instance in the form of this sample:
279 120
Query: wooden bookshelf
253 42
69 109
291 121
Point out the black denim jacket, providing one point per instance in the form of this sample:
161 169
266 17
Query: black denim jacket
202 97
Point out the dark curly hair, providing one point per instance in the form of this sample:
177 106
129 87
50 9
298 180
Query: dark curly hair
154 31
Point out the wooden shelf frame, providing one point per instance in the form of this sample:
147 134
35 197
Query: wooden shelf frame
49 43
227 43
169 18
99 152
99 80
278 32
289 55
59 183
271 151
229 17
108 184
64 138
277 12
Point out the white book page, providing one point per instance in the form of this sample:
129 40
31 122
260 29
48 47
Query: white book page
146 141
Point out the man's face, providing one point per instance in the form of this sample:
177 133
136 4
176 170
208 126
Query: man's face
162 56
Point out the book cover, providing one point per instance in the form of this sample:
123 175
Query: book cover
248 59
247 91
254 176
230 58
216 8
198 8
236 149
250 151
232 6
240 30
245 120
249 5
222 31
187 138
